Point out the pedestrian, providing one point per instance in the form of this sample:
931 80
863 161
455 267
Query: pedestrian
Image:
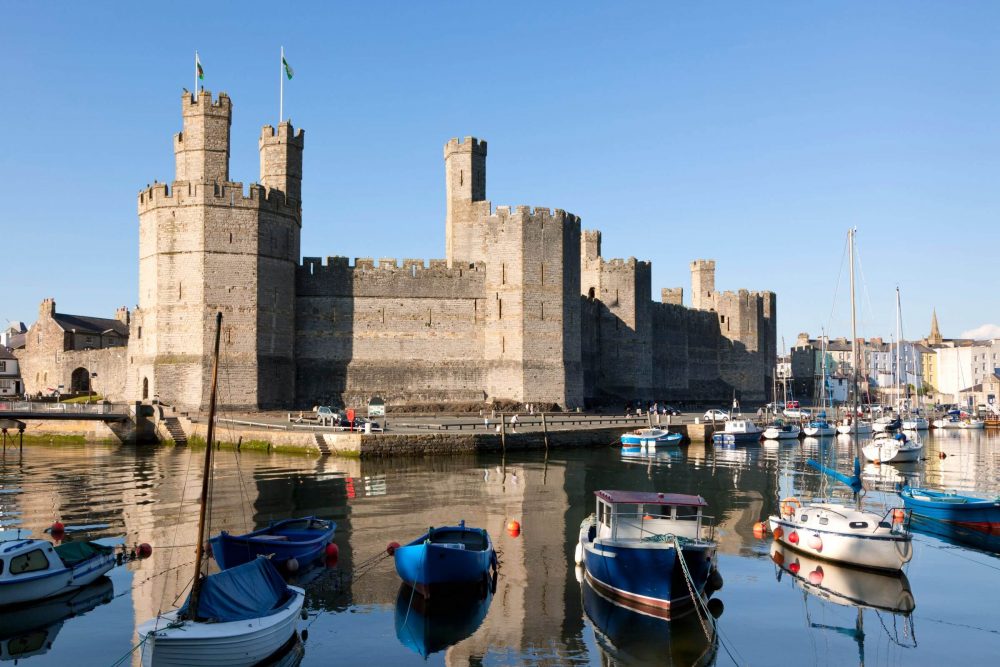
486 422
760 413
513 422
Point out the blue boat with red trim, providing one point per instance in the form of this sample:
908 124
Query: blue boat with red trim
650 551
950 507
303 539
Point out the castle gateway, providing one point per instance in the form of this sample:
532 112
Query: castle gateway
523 307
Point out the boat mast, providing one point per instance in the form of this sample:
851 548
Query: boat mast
899 369
206 478
854 338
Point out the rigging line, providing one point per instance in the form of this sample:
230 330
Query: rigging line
864 284
177 523
245 500
960 625
954 552
840 275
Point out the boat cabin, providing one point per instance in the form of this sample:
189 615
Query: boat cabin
27 558
639 515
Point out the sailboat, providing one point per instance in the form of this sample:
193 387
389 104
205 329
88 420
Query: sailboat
888 446
915 421
238 616
853 424
820 427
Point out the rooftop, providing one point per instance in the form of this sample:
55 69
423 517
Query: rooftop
94 325
650 498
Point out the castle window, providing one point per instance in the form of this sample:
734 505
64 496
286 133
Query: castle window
503 344
503 274
543 273
542 307
180 291
499 309
461 177
229 335
230 237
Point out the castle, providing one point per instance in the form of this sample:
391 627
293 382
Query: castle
523 307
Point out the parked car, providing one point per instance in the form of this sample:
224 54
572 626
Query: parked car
796 413
775 407
670 410
716 415
327 416
792 405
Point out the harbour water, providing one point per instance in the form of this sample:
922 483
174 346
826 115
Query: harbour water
942 612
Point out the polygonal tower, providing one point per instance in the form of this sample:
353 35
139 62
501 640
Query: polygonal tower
205 245
465 193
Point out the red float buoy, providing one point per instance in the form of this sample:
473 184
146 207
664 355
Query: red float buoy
793 537
794 567
816 542
145 550
513 528
778 533
391 548
57 528
898 515
332 554
816 576
758 530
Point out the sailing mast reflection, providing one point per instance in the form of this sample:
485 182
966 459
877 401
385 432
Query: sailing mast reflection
851 587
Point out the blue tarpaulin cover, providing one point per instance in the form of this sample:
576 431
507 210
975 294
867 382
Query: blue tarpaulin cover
251 590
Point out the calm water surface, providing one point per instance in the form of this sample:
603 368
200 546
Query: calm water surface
942 612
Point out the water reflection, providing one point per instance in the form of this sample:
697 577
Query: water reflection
628 637
30 629
427 628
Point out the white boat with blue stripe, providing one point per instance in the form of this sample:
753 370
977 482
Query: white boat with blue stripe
649 551
650 437
33 569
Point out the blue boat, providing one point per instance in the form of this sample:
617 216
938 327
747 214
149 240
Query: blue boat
648 550
738 431
451 555
650 437
303 539
949 507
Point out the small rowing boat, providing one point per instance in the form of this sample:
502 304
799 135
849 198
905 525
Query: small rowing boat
650 437
947 506
303 539
451 555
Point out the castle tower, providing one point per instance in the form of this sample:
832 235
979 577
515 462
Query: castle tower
702 284
466 205
201 149
207 245
935 337
281 159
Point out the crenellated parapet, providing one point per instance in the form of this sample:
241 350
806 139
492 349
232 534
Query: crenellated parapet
338 276
231 194
466 145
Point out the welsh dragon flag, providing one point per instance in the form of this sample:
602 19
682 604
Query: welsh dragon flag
289 72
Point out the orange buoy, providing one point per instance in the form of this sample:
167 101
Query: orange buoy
758 530
778 533
898 515
778 557
513 528
793 537
816 576
816 543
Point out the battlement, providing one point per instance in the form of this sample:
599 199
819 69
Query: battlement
285 134
672 295
338 277
537 214
231 194
202 103
469 145
631 264
590 244
414 267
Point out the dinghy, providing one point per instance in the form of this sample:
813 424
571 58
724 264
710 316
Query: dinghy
950 507
650 437
303 539
448 556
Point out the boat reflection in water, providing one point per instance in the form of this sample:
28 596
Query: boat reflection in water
956 534
629 637
660 456
30 629
427 628
851 587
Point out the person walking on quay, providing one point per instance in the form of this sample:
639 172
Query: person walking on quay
513 423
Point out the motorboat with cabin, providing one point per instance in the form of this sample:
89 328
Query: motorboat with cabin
650 437
738 431
32 569
649 551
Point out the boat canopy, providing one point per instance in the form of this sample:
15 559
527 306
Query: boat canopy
251 590
72 553
650 498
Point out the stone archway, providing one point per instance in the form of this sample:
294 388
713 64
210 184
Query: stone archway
80 381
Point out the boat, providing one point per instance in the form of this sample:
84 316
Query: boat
950 507
857 426
738 431
239 616
31 629
893 448
32 569
819 427
972 423
959 419
887 424
779 430
650 437
303 539
630 637
836 532
957 534
447 556
915 423
651 551
426 628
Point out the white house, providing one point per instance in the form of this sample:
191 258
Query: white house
10 374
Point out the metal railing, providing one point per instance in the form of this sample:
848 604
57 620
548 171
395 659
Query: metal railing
43 408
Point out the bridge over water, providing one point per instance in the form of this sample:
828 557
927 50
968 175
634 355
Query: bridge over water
31 410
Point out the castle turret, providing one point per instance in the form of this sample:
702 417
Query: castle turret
465 187
702 283
281 159
201 149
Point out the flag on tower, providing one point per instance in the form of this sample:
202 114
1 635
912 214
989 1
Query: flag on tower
289 72
197 64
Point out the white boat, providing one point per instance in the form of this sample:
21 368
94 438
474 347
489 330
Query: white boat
33 569
972 423
650 437
782 431
886 424
860 426
916 423
889 448
819 429
836 532
236 617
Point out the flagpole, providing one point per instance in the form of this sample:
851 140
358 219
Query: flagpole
195 93
281 85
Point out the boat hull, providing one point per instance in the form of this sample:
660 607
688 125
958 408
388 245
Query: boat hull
648 577
425 564
971 513
55 582
735 438
860 429
891 451
636 440
305 545
818 431
233 643
781 434
879 552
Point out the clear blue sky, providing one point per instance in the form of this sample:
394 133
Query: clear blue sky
751 133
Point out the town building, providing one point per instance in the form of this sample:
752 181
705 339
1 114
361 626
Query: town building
10 374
